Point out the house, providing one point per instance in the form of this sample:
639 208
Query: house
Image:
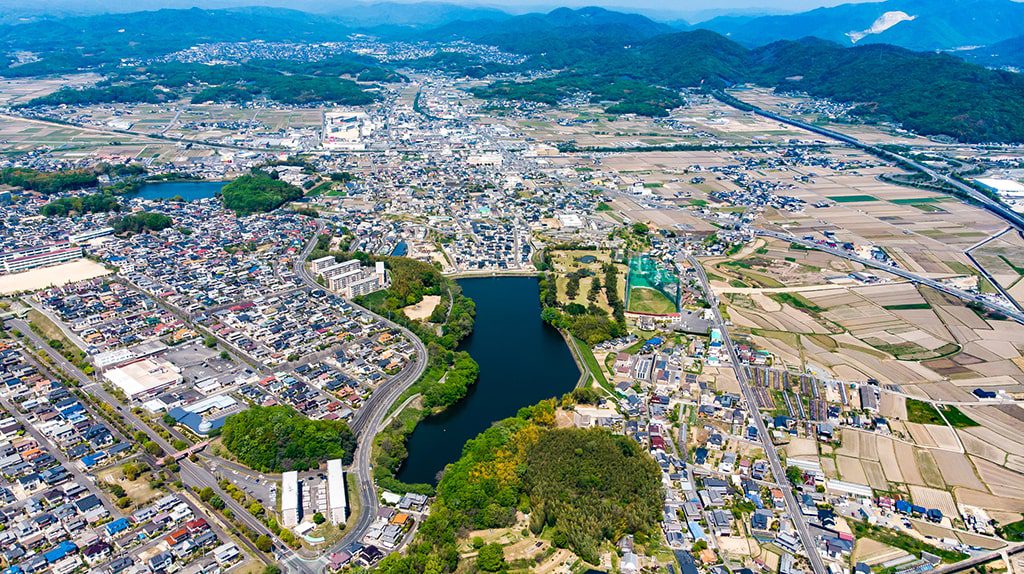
720 522
160 562
760 520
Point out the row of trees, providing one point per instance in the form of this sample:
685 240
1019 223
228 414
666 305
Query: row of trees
590 323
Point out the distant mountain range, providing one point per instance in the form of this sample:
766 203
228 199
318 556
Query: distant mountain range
928 92
1008 53
914 24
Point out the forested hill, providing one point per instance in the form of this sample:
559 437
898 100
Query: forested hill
559 38
914 24
933 94
1006 53
926 92
68 44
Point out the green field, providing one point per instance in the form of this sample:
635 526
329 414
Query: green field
923 413
913 200
852 198
1013 531
587 355
908 306
957 418
796 300
652 301
903 541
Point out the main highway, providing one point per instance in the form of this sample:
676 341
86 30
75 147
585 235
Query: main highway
992 205
1009 310
793 509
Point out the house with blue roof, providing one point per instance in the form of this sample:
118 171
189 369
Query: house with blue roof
62 550
117 526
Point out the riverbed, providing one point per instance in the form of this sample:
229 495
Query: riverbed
522 361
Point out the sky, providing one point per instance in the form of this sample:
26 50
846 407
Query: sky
654 8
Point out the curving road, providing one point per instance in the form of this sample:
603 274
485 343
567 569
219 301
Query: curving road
368 419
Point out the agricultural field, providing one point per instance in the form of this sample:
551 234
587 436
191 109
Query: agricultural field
915 339
772 264
800 107
923 231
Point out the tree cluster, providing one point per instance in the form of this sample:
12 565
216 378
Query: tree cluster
258 193
278 438
92 203
139 222
48 182
585 485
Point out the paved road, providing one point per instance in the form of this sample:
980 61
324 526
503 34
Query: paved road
978 560
981 268
139 135
368 419
1008 310
192 474
795 514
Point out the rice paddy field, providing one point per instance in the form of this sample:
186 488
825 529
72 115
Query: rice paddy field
944 448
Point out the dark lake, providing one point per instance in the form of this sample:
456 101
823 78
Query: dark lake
522 361
189 190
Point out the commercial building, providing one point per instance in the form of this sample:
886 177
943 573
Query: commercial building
91 234
290 499
1006 188
345 130
144 377
337 500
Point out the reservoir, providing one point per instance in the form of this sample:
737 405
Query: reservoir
522 361
189 190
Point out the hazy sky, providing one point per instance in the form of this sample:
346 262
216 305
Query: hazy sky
664 8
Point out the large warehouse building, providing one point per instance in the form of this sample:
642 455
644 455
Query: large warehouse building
290 499
337 502
145 377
